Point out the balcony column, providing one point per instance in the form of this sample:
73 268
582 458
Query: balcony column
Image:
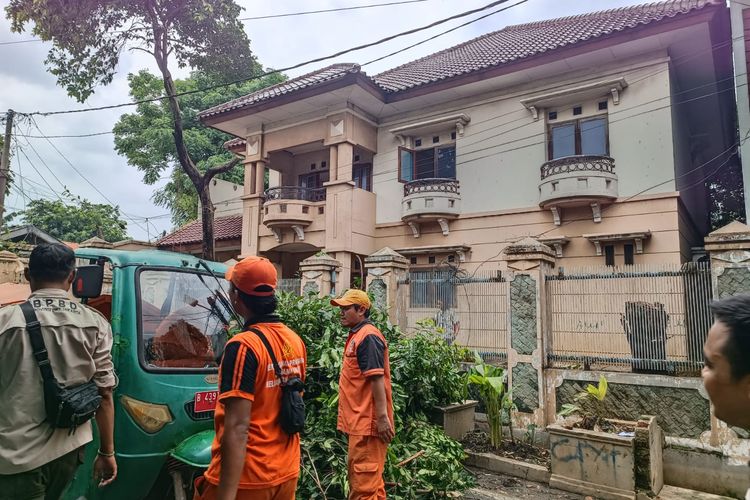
334 162
248 183
260 176
344 160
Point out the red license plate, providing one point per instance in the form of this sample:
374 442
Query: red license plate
206 400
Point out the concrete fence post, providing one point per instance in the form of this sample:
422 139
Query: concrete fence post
729 250
384 269
319 274
528 262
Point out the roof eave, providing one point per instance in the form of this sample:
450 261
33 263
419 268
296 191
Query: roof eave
704 14
295 95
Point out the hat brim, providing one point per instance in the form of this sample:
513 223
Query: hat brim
341 302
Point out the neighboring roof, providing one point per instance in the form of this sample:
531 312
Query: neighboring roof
14 293
505 46
525 40
225 228
316 77
24 232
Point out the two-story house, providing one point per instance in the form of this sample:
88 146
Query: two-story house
594 133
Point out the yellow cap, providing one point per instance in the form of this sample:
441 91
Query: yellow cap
351 297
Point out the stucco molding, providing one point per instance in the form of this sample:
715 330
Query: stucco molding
458 120
574 94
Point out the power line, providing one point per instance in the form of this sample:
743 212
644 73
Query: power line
81 175
270 16
25 136
339 9
288 68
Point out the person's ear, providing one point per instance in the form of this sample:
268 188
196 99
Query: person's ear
71 277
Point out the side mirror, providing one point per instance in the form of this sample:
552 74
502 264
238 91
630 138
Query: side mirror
88 280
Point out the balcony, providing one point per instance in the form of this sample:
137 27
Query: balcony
292 207
578 181
430 200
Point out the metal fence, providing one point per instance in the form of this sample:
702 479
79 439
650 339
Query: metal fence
645 319
470 309
289 285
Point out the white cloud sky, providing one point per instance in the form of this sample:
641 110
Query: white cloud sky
280 42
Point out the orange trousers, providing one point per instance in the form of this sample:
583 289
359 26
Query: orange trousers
365 463
284 491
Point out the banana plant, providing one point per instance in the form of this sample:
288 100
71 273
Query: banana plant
490 381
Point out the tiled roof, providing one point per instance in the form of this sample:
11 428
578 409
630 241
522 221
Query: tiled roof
225 228
316 77
507 45
237 142
525 40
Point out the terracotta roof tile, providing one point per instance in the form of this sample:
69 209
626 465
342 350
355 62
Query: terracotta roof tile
525 40
316 77
507 45
225 228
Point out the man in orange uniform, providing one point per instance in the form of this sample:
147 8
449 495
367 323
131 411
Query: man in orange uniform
251 456
365 404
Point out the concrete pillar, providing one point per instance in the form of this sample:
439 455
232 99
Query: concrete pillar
729 250
528 262
260 176
248 183
319 274
345 158
95 243
384 269
333 170
344 277
11 268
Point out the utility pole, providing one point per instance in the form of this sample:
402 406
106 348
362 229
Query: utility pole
5 161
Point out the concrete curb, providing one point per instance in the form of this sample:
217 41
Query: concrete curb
508 466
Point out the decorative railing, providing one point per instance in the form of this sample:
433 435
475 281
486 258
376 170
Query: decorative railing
295 193
431 186
581 163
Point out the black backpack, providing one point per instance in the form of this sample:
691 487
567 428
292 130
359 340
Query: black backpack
292 416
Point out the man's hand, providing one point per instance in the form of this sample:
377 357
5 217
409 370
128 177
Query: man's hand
385 430
105 470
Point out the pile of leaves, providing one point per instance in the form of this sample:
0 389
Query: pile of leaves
422 461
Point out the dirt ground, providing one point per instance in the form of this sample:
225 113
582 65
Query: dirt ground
491 486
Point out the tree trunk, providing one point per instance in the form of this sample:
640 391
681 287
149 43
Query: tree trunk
201 182
207 218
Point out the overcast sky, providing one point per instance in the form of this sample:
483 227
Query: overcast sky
26 86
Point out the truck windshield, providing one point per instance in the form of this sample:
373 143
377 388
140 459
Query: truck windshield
182 322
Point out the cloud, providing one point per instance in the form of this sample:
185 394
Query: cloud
27 86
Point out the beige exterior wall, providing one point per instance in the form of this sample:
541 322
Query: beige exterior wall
499 156
498 160
487 234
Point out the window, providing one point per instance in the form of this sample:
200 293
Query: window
181 325
629 254
413 260
602 105
577 110
427 163
580 137
609 255
552 115
362 176
314 180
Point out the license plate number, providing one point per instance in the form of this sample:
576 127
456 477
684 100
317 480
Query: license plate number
206 401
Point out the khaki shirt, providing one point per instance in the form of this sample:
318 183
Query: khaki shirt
79 341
